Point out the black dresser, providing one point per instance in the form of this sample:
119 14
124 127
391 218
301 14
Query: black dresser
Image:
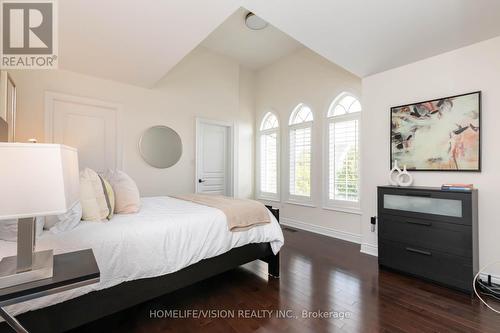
429 233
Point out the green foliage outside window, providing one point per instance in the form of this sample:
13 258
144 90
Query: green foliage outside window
346 178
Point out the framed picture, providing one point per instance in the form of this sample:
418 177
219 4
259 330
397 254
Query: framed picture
438 135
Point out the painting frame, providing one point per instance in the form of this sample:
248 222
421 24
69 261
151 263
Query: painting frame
479 156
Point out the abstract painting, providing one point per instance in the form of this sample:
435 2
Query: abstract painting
438 135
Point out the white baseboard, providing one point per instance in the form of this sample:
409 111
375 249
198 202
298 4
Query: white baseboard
369 249
344 235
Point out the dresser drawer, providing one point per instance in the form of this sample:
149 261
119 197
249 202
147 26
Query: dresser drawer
445 237
433 265
434 205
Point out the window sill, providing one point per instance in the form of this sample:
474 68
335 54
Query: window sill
268 199
299 203
348 210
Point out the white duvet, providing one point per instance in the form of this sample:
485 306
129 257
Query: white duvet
165 236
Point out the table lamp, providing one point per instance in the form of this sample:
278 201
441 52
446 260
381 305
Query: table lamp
35 180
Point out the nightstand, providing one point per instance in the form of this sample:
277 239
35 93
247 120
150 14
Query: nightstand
71 270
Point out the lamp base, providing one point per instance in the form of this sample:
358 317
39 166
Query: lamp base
42 268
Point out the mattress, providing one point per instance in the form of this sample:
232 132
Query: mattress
165 236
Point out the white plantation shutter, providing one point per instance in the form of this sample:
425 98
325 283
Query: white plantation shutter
300 122
343 163
268 157
343 150
269 162
300 161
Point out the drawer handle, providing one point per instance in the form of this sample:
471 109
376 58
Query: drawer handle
425 253
427 224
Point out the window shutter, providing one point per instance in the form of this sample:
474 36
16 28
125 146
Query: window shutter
269 162
343 160
300 161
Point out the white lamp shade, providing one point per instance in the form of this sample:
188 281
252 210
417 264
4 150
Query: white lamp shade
37 179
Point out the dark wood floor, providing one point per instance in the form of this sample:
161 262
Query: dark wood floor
317 273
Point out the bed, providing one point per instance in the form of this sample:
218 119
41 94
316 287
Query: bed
168 244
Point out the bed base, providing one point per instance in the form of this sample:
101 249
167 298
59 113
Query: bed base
98 304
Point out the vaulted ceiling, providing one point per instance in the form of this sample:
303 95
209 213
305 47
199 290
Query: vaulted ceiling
138 42
253 49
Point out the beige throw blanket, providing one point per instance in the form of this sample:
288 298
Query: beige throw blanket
241 214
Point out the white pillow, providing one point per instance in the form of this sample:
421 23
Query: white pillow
127 197
92 196
8 229
64 222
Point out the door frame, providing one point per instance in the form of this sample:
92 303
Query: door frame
8 112
233 151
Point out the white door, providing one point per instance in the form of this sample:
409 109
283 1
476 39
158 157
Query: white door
214 158
86 124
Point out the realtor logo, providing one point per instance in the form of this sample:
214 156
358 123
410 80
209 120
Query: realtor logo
29 34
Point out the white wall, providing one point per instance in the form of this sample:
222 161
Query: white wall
246 132
306 77
203 85
476 67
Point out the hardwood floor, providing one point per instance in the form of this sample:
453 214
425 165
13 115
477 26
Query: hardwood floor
317 273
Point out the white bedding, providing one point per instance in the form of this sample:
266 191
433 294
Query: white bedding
165 236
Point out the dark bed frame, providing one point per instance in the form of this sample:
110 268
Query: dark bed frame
98 304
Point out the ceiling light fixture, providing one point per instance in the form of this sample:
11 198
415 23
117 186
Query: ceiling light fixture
254 22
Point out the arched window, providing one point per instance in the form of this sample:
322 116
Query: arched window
300 136
269 157
301 114
343 151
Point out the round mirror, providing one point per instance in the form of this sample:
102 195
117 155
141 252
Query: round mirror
160 147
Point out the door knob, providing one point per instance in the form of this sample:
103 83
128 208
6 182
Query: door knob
201 180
